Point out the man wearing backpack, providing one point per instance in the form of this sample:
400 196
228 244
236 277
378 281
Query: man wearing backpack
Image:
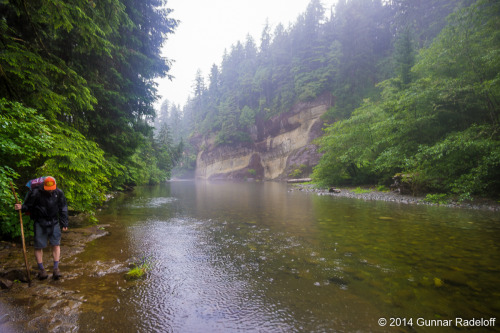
48 208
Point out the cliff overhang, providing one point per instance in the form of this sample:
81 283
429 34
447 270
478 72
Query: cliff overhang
280 146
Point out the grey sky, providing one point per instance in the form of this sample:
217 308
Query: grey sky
209 27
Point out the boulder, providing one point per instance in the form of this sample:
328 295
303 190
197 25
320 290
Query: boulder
5 284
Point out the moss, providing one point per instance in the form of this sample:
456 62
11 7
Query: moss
138 270
135 273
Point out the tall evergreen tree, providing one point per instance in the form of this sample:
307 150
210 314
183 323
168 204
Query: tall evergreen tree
404 56
86 70
126 98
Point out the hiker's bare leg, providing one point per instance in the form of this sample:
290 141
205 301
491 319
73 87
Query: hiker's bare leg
39 256
56 252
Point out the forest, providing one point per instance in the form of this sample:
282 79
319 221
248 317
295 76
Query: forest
416 89
76 98
415 85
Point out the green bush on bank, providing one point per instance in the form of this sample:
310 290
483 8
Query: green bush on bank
80 167
442 125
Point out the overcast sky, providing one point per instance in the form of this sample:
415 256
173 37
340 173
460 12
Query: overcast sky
209 27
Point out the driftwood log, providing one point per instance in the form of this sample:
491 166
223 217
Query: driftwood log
300 180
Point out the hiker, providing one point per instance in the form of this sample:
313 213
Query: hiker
48 208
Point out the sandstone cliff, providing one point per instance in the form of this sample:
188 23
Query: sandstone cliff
281 145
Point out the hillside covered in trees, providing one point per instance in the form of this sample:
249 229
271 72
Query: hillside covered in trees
416 89
76 97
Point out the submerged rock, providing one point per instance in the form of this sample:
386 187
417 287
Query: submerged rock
5 284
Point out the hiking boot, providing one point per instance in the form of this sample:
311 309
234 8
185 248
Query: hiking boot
57 274
42 274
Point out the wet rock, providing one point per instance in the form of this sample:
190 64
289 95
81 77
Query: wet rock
104 268
16 275
338 281
455 279
5 284
4 318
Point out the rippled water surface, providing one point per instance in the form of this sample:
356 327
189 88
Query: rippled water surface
255 257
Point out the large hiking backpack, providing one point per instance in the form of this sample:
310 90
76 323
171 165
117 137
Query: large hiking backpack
34 184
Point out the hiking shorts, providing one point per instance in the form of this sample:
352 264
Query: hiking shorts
44 234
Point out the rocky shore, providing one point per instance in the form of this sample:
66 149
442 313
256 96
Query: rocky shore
372 194
46 306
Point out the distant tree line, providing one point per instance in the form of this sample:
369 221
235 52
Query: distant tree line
415 86
76 97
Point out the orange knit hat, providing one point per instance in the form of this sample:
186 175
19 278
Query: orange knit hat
49 183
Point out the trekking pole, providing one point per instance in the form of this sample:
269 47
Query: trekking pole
22 235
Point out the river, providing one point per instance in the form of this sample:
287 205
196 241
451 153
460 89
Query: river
256 257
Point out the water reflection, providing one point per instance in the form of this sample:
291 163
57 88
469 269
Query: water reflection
256 257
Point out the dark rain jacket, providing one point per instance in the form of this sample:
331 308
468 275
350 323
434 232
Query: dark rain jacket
47 208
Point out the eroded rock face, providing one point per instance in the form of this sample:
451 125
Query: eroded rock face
280 145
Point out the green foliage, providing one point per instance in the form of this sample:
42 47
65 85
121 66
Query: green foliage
439 122
438 198
382 188
186 164
229 138
247 117
33 69
464 163
298 63
404 55
77 94
345 54
139 269
363 33
360 190
80 168
24 137
135 273
351 146
298 171
143 167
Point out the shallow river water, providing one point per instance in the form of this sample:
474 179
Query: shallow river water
255 257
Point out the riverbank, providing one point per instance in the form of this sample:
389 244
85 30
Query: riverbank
369 194
47 306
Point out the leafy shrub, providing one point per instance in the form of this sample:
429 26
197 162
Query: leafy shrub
24 137
440 199
299 171
360 190
80 168
382 188
463 163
